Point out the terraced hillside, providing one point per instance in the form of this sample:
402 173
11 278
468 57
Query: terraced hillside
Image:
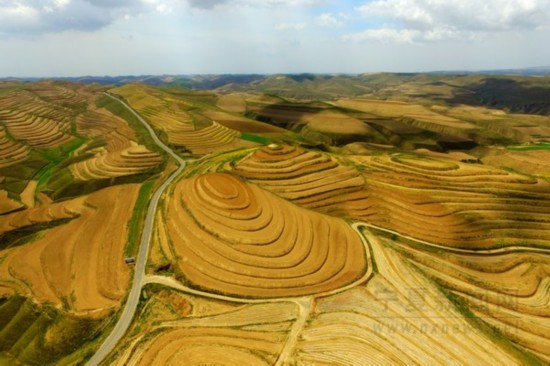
233 238
11 152
35 130
457 204
507 289
473 305
191 121
89 276
70 176
252 334
311 179
441 201
33 121
399 318
349 231
120 156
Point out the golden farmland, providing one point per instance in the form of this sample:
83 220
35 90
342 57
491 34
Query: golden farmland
243 228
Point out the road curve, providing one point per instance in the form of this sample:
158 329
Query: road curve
494 251
139 270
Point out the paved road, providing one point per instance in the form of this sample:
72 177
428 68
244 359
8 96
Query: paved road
141 261
139 273
501 250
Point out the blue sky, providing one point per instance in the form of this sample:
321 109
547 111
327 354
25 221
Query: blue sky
104 37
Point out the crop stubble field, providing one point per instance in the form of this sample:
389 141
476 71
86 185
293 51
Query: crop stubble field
284 253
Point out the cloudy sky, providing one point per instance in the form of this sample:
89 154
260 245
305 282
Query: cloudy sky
121 37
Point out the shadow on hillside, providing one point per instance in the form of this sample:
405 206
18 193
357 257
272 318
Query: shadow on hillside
505 93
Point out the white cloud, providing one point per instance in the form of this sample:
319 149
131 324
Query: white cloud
55 5
32 17
206 4
61 3
405 35
291 26
25 17
329 20
424 20
16 14
210 4
294 2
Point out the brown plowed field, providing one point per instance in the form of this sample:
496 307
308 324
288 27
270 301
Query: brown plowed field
235 238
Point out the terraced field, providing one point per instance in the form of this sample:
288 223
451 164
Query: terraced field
441 201
310 179
508 289
402 109
398 318
192 121
63 237
460 205
171 116
33 121
232 102
536 162
120 156
207 139
11 152
233 238
160 109
370 232
252 334
72 263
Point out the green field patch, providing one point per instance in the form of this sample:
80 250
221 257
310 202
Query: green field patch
56 156
255 138
16 179
135 224
533 147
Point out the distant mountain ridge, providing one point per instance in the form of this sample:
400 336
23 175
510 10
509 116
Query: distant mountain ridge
212 81
518 90
529 71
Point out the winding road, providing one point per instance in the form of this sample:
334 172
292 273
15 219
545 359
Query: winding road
501 250
304 303
139 270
